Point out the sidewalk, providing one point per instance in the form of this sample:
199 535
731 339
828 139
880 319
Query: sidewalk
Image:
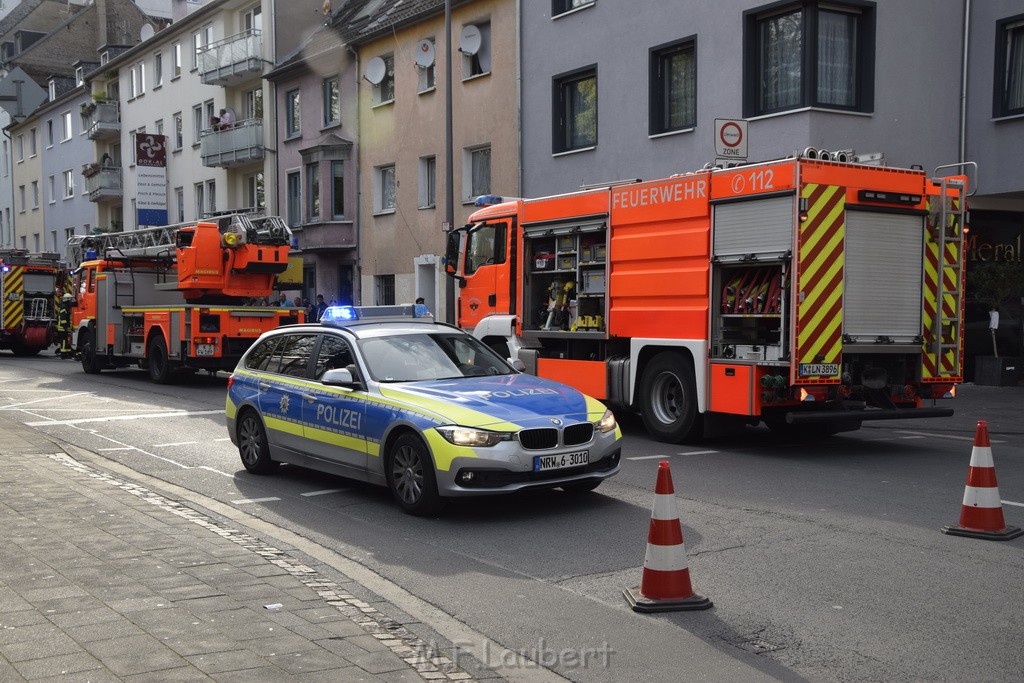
104 580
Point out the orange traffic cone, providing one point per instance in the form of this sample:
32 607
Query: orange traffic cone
665 585
981 515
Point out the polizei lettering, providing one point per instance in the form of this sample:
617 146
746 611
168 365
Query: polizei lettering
633 197
342 418
512 393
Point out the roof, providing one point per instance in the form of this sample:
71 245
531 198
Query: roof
323 41
365 20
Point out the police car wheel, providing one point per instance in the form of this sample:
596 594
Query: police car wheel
410 476
252 444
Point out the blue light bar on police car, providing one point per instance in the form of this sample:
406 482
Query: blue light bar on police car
338 315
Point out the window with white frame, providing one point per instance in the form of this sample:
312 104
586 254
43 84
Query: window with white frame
32 143
21 199
51 187
158 69
211 195
253 19
254 103
69 184
476 171
332 100
179 204
197 45
563 6
79 76
68 234
384 186
35 194
52 90
197 123
178 135
254 191
293 185
133 83
428 181
65 126
49 133
292 113
200 196
384 91
175 61
142 78
20 144
427 76
479 62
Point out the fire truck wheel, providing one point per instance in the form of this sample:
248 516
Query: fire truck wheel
252 444
668 399
21 350
91 364
410 476
161 369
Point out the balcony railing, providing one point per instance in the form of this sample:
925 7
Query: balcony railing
104 185
241 144
101 120
232 60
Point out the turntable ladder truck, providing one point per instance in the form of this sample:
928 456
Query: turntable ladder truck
28 293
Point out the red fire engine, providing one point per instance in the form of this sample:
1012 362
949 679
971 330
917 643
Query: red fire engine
28 291
806 293
178 297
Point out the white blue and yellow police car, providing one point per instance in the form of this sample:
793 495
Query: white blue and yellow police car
389 396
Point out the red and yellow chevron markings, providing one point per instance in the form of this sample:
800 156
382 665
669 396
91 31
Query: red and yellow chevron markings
13 300
934 365
820 264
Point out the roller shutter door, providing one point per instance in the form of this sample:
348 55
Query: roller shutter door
761 226
884 278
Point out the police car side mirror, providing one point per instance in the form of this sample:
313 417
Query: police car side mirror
519 365
339 377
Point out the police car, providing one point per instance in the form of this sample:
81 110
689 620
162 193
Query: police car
389 396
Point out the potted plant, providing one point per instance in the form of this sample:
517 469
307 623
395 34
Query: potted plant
995 284
90 169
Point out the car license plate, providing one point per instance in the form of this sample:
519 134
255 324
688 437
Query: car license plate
542 463
819 369
205 349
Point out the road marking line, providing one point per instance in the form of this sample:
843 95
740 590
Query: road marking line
254 500
324 492
226 438
125 448
697 453
945 436
649 457
177 443
47 398
1010 502
112 418
911 437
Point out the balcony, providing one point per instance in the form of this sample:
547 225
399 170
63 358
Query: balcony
333 237
233 60
104 184
101 120
236 146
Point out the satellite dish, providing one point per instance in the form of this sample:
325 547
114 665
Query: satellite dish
470 41
375 70
425 53
146 33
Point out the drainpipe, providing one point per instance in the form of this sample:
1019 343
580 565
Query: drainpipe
963 84
357 277
519 94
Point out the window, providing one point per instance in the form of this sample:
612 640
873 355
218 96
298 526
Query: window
485 245
254 104
385 286
211 195
575 110
160 127
253 20
476 172
21 148
334 353
65 126
52 90
35 194
427 74
69 233
178 137
197 45
294 186
179 203
49 133
384 188
337 190
197 123
428 182
563 6
291 355
21 199
254 190
809 55
1009 87
142 78
313 192
200 200
158 69
51 185
32 143
673 87
133 85
175 60
69 184
479 62
332 101
384 91
79 75
292 113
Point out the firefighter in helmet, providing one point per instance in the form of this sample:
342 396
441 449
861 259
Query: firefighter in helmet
64 326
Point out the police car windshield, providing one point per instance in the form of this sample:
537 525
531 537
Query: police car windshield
422 356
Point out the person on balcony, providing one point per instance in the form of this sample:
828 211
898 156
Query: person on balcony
227 119
106 161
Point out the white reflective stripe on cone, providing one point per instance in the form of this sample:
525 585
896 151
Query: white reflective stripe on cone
987 497
981 456
666 558
665 506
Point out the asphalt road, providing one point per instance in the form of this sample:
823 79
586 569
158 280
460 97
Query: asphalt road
823 559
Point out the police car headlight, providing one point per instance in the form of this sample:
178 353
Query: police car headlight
467 436
607 422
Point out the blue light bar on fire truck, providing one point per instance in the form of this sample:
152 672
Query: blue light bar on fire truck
340 315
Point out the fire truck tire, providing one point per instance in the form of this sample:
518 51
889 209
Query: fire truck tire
252 444
161 369
91 364
22 350
668 399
